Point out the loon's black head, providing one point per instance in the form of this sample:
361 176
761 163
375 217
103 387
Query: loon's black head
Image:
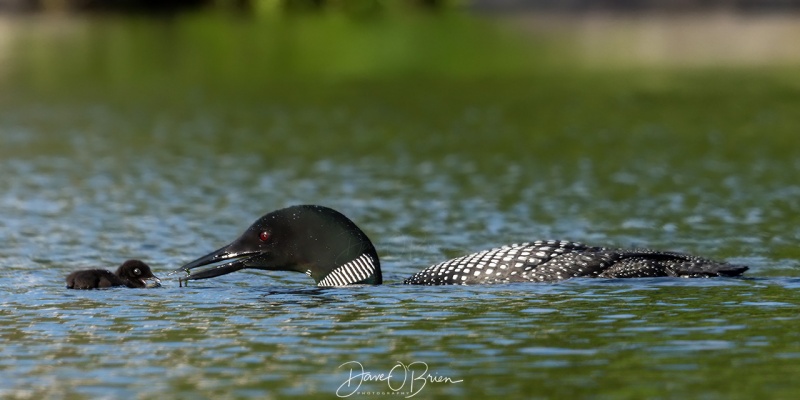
137 274
315 240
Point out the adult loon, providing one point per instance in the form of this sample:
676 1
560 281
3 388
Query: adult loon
331 249
132 273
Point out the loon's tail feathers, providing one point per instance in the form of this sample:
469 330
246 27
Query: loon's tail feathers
641 263
700 270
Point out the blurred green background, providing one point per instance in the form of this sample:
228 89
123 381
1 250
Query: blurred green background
413 75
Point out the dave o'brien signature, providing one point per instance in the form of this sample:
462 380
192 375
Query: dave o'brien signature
414 374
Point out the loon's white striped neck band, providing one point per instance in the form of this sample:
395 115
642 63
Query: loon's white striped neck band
350 273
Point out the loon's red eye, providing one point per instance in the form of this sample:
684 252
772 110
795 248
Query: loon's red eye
264 236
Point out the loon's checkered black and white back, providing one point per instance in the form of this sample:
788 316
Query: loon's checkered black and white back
554 260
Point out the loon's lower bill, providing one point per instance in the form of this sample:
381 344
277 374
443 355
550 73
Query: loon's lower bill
331 249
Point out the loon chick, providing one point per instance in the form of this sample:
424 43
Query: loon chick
132 273
331 249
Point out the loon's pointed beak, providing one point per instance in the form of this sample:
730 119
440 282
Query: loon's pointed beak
223 254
